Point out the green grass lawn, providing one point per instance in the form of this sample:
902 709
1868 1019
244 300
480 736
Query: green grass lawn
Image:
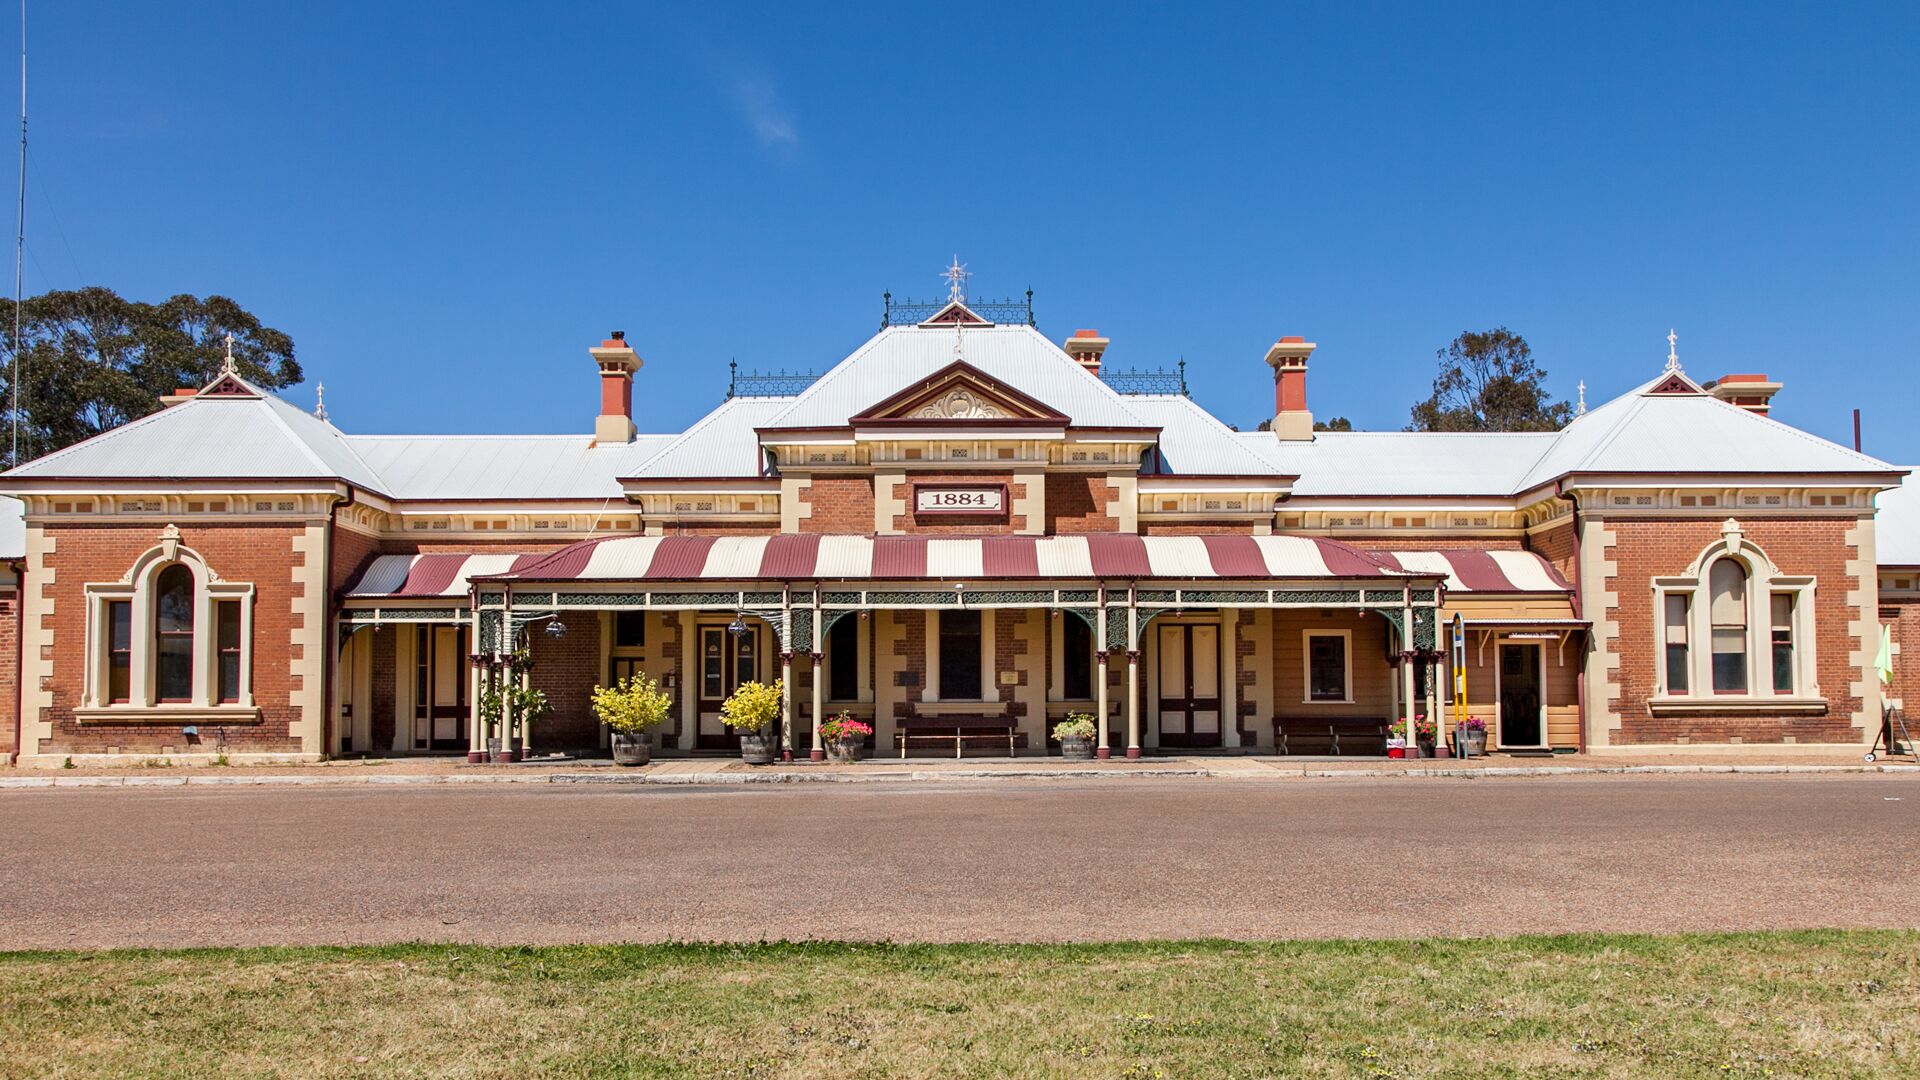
1804 1004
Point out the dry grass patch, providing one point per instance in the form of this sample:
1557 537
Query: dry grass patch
1810 1004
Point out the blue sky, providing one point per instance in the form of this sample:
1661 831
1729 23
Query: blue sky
445 205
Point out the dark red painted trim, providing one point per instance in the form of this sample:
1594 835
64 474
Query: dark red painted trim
1235 556
932 384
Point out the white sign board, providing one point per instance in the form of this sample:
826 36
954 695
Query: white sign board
974 500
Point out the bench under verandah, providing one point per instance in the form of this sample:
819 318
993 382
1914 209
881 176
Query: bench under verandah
955 730
1341 734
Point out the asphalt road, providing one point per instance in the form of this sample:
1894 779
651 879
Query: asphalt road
1002 860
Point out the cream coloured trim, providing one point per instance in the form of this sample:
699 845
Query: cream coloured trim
36 645
792 512
887 506
1306 665
1033 505
1865 628
1600 604
1124 508
307 657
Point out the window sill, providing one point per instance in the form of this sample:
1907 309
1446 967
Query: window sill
1326 701
1738 703
168 714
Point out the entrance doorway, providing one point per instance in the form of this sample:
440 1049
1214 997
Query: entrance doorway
440 688
726 661
1522 719
1189 684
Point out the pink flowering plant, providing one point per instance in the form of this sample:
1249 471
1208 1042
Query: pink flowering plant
1472 723
844 726
1423 729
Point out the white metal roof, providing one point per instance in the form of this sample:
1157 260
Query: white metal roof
1896 524
1193 442
477 467
1403 462
719 444
1020 356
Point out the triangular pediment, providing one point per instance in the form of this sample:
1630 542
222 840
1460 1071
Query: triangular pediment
1675 383
956 314
960 392
229 385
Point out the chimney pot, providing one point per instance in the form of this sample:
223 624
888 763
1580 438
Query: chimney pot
1292 420
1752 392
617 363
1087 347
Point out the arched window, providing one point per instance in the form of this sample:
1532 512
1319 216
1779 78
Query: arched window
169 637
1727 582
1736 630
173 634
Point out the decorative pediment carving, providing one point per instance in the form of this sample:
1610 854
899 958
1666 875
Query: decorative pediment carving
963 392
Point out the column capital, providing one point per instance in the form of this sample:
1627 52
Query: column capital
1133 656
818 656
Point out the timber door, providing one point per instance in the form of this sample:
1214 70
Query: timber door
440 688
726 661
1189 684
1520 711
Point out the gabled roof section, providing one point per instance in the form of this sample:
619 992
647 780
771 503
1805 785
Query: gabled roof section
244 433
518 467
1018 356
959 392
1656 430
956 313
1674 382
1193 442
720 445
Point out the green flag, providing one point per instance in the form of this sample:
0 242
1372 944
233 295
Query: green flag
1883 660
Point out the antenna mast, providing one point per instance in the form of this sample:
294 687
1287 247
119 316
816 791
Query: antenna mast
19 242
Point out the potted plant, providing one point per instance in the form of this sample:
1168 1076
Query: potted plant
631 708
508 708
1472 735
1422 737
751 712
1396 745
1076 736
845 737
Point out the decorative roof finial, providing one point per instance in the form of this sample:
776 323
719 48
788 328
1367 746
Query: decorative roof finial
956 276
1581 409
226 366
1673 352
320 400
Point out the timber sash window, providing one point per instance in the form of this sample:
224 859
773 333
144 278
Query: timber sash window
960 655
1728 582
119 651
1678 658
228 644
173 634
1329 674
1782 642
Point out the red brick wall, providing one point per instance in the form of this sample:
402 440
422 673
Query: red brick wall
840 504
261 554
352 551
1009 648
1077 503
1903 615
384 684
1556 545
960 524
9 667
912 647
567 669
1644 550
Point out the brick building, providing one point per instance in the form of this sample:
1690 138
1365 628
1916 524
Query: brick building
962 522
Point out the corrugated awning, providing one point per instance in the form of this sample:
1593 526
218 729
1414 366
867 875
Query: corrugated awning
812 557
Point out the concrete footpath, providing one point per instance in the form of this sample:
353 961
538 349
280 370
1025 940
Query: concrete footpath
730 771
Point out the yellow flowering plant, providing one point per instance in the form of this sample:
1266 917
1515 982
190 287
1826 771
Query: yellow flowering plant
634 705
753 706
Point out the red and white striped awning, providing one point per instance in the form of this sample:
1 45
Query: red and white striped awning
812 557
1469 570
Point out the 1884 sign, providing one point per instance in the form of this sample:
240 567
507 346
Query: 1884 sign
959 500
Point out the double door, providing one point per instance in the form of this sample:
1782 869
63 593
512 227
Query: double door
1189 684
726 661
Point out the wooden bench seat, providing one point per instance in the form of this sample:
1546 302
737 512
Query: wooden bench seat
959 730
1342 734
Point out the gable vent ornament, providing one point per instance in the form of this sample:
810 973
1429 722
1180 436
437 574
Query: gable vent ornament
959 405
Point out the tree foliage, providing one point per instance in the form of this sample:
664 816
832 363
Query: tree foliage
91 360
1488 381
1338 423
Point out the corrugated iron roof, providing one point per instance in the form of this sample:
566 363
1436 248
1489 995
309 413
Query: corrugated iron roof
1896 531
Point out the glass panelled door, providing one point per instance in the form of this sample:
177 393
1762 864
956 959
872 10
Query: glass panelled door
440 688
1520 712
1189 677
726 661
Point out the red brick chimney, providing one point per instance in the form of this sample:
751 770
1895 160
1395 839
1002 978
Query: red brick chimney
1288 358
1087 347
617 363
1750 392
